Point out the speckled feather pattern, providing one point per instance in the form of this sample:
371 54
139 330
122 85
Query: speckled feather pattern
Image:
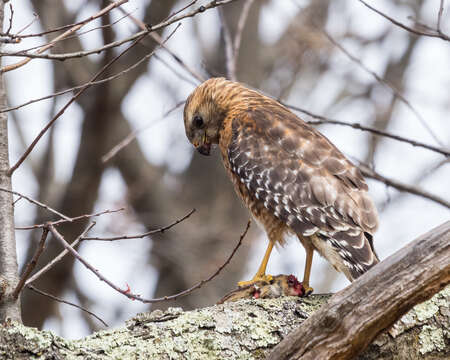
292 178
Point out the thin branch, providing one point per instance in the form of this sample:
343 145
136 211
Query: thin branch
217 272
240 29
63 109
140 61
140 236
75 218
83 237
181 10
230 61
127 291
78 54
130 137
325 120
31 265
58 258
35 18
53 297
175 71
11 15
425 173
63 35
386 83
73 36
402 186
35 202
155 36
436 34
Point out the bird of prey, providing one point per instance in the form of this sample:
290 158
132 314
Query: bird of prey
290 176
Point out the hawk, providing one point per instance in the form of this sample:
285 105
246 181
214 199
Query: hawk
290 176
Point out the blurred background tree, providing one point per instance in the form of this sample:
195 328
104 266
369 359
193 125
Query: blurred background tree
157 177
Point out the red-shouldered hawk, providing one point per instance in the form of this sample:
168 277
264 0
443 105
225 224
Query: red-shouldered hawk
291 177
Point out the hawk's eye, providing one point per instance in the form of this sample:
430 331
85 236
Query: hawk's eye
198 121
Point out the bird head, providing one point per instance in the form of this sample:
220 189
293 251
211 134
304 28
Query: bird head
203 116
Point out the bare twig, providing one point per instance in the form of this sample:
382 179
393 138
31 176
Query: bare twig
140 236
17 200
83 237
75 35
53 297
240 29
58 258
181 10
127 291
63 109
35 18
75 218
64 35
155 36
31 265
202 282
175 71
130 137
212 4
35 202
436 34
230 61
386 83
402 186
417 180
11 15
325 120
140 61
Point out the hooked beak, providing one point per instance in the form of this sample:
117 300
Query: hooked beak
205 147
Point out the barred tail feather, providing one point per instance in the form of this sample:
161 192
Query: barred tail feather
350 252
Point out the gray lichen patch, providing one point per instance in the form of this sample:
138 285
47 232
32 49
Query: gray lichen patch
431 339
232 331
245 329
421 313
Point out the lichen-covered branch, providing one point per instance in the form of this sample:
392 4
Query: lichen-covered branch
246 329
353 317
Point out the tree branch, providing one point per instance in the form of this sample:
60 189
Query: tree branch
71 31
353 317
438 33
31 265
325 120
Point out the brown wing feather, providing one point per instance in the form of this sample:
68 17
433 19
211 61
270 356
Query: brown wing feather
304 180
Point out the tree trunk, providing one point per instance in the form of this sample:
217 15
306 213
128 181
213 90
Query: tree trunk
9 307
247 329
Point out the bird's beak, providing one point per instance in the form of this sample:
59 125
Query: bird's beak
205 147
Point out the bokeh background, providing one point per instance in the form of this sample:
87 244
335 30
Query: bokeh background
158 177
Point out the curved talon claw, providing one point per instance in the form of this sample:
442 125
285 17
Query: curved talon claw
263 278
308 290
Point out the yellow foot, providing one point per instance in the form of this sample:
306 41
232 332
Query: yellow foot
308 290
263 278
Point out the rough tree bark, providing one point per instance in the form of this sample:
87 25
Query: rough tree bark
354 316
9 307
249 329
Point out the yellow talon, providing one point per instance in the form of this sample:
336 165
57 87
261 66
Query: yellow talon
308 290
264 278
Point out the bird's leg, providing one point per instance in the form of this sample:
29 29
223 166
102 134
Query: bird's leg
308 263
261 273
